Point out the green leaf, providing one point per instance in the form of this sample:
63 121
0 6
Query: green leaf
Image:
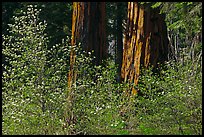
156 5
176 25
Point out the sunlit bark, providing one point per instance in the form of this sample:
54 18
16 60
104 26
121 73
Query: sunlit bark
145 44
88 28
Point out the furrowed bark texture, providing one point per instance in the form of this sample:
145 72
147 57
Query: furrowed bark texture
88 28
145 43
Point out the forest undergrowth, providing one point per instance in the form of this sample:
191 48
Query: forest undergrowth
34 91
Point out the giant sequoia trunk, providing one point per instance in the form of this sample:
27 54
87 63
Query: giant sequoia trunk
145 43
88 28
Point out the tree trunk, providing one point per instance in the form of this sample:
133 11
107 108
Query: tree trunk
146 42
119 53
88 28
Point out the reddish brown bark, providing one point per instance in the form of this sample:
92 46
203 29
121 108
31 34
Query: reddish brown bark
145 43
88 28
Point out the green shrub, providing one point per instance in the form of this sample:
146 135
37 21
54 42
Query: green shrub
172 102
95 101
33 86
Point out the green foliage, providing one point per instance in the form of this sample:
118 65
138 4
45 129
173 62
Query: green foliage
184 21
184 24
58 16
95 101
33 85
174 104
188 16
170 103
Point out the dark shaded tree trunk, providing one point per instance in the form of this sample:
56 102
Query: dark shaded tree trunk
119 53
88 28
146 42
